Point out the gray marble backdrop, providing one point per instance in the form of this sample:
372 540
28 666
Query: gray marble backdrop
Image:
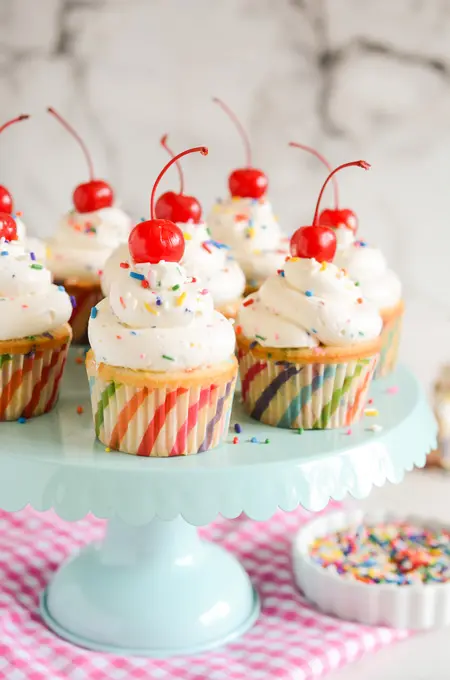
357 78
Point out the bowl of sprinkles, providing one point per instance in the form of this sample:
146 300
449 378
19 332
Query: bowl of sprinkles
378 569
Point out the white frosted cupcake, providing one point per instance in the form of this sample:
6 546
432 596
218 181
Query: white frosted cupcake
162 368
85 238
34 333
308 342
204 258
367 266
246 222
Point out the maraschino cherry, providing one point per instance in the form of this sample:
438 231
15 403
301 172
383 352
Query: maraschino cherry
177 207
159 239
244 182
317 240
8 227
96 193
339 217
6 201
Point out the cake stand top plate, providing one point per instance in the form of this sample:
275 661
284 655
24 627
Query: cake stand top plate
55 462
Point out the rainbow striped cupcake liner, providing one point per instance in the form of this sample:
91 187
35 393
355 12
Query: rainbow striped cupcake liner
29 383
312 396
177 420
390 343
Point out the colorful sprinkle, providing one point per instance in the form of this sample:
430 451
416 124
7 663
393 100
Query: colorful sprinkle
165 356
396 553
260 337
124 265
145 284
393 389
176 286
135 275
80 410
300 430
32 256
150 309
36 266
73 301
235 440
22 420
375 428
371 412
181 299
94 312
247 303
237 428
206 247
253 440
308 293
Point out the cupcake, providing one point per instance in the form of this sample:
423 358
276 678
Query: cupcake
85 238
307 341
367 266
161 368
34 333
246 223
204 258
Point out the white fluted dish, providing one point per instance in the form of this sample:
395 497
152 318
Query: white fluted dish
418 607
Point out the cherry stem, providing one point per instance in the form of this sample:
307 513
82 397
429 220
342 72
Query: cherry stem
358 164
240 128
75 134
326 164
171 153
23 116
202 149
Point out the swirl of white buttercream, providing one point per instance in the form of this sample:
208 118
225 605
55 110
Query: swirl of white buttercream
368 267
306 305
84 241
29 303
159 319
251 230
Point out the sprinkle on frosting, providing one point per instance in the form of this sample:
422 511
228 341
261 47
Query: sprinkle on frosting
309 307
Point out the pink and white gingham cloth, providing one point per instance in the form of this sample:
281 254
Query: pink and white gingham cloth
290 640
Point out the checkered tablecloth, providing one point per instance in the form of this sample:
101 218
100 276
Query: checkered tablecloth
291 640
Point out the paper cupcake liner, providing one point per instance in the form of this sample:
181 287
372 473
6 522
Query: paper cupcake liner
29 382
313 396
390 341
175 420
85 297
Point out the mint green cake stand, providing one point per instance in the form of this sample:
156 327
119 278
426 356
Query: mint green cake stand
152 587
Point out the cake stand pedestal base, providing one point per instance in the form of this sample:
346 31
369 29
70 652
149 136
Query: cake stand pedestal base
154 590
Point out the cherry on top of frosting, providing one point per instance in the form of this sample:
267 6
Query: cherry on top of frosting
159 239
319 241
96 193
177 207
6 200
8 227
337 217
245 182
